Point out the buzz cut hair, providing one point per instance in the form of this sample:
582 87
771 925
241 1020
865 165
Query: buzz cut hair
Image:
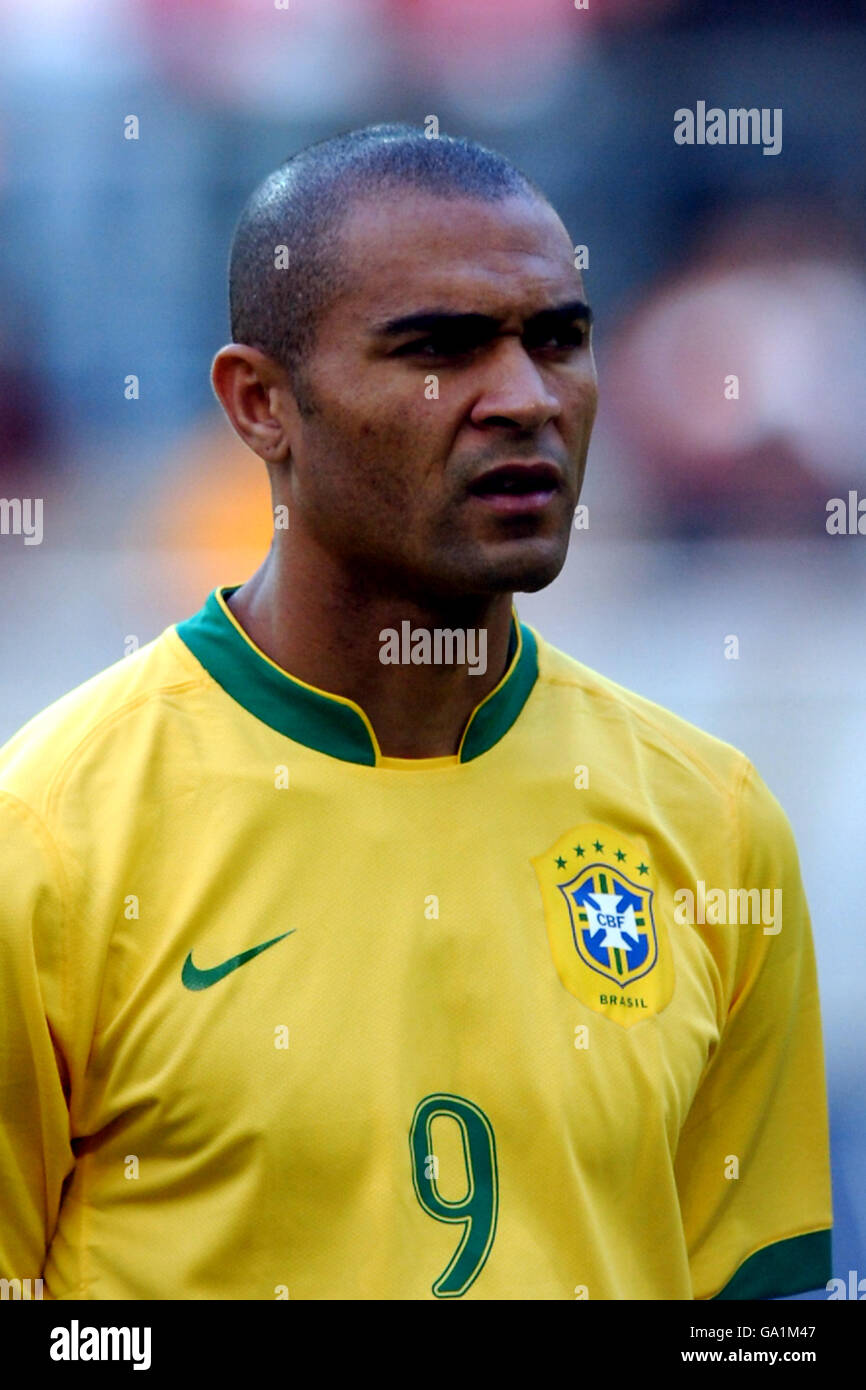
276 300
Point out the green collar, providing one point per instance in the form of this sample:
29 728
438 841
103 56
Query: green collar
330 723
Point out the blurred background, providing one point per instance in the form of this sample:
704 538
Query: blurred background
707 515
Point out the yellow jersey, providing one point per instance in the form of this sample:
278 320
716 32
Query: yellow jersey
285 1018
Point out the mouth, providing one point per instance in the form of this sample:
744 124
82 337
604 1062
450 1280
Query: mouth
518 487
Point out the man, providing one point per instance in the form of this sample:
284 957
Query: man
346 949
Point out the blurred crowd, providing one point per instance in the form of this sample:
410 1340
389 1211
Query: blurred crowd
704 263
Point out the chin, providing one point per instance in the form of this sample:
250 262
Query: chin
522 574
535 580
532 570
480 571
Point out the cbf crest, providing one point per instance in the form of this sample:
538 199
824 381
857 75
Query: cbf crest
609 945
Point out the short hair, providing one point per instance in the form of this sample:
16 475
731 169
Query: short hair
301 206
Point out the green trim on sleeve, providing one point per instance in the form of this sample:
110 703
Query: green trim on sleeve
786 1267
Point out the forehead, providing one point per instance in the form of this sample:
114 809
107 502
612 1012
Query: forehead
415 250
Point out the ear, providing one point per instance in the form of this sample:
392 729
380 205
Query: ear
256 395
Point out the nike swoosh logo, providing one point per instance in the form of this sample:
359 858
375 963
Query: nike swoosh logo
194 978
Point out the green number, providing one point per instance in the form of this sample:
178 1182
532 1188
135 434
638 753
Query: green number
476 1212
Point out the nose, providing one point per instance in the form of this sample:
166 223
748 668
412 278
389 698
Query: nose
514 391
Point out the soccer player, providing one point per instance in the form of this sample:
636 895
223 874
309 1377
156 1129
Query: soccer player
355 943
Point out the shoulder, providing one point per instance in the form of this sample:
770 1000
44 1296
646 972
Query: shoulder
645 753
105 711
626 728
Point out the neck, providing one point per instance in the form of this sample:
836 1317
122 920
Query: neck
319 623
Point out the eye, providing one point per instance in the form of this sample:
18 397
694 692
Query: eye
436 347
559 340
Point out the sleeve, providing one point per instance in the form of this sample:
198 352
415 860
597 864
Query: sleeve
35 1150
753 1164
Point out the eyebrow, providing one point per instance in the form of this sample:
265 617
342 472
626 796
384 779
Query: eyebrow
429 320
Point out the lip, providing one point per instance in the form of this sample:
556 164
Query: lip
539 479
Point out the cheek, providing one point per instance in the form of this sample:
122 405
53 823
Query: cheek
360 463
580 408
